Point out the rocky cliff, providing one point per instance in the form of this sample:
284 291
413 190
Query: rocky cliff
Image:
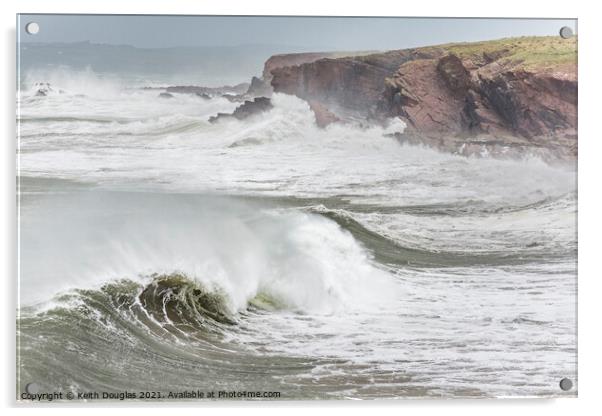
293 59
498 96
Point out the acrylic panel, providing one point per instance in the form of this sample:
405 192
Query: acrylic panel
295 208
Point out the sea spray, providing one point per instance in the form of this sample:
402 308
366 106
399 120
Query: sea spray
302 260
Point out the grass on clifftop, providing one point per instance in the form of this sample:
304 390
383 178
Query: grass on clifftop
529 52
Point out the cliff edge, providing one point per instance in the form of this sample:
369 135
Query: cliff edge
500 96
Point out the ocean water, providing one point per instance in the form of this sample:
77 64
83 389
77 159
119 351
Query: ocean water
159 252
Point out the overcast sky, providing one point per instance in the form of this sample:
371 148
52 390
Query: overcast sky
310 32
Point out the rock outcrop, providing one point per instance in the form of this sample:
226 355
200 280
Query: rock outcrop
294 59
43 89
259 88
324 116
353 83
209 91
246 110
517 93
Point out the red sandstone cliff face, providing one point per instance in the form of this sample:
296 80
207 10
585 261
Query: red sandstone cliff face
456 95
447 95
293 59
354 83
261 87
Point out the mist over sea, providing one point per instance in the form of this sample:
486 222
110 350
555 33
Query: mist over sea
144 67
161 252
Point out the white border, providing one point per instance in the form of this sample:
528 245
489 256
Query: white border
590 155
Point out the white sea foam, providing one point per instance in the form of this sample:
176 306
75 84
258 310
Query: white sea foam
456 326
136 137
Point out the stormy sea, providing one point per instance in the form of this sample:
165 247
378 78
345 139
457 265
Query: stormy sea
160 252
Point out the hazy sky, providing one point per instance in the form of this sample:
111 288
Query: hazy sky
316 33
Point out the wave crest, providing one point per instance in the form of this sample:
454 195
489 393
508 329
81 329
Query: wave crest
175 298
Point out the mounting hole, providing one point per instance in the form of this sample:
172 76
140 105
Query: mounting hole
566 32
32 388
32 28
566 384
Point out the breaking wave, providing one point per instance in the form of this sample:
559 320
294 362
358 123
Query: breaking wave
305 261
